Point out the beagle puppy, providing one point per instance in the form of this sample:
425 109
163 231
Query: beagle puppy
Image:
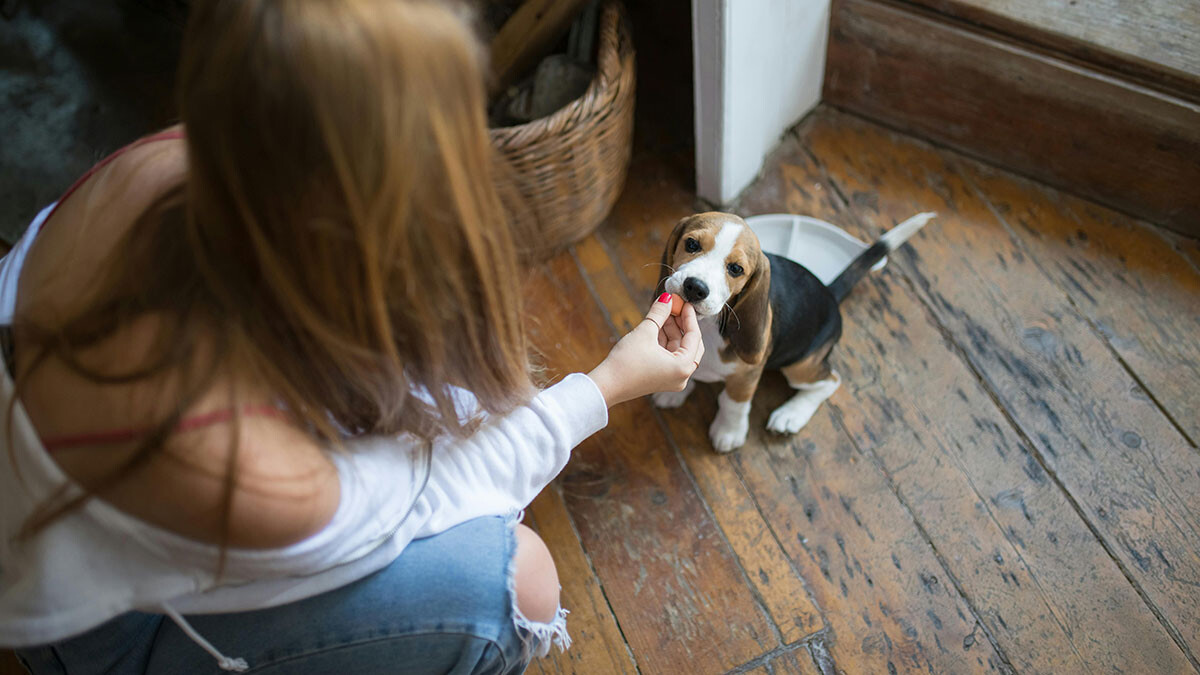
758 311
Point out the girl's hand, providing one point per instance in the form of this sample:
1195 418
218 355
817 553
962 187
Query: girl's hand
659 354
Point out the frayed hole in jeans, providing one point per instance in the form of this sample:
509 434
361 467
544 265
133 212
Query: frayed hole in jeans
536 637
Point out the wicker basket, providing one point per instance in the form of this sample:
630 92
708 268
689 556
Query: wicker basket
560 175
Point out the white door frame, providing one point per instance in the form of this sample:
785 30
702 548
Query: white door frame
758 67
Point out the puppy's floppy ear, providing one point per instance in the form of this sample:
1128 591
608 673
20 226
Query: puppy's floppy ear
668 256
745 326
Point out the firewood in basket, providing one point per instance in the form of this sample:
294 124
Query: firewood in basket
527 36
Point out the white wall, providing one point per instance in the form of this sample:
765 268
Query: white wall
758 68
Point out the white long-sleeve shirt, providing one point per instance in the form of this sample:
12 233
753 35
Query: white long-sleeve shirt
98 562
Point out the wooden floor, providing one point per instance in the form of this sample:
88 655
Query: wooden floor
1007 480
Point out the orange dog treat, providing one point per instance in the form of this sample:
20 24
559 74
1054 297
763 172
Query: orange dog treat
676 304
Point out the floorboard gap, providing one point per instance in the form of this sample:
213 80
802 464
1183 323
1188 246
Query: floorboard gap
789 648
821 657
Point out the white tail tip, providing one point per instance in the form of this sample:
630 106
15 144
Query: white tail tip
895 237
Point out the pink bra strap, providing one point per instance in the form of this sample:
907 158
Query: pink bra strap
114 436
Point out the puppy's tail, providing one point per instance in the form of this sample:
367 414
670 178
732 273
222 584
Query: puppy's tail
890 241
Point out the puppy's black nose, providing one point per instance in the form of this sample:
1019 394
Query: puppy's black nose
694 290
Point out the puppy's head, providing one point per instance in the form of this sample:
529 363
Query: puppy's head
714 262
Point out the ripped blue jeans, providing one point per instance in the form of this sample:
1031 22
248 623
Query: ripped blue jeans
446 605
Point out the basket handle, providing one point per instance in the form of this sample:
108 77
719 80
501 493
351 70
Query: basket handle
609 65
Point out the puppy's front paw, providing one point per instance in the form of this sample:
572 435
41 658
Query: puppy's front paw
671 399
792 416
728 432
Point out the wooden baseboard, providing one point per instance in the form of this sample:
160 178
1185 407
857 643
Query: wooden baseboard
1024 108
9 664
1151 42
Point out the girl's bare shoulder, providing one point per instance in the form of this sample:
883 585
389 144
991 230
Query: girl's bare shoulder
75 243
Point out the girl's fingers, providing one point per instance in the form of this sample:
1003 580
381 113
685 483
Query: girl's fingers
671 328
691 344
688 320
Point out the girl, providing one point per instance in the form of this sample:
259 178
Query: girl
267 370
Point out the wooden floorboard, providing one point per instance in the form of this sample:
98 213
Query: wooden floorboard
1006 479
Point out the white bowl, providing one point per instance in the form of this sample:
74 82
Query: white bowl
823 248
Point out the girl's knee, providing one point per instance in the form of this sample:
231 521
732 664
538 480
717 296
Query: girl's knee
535 577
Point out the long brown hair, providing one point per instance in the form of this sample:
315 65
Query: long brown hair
337 240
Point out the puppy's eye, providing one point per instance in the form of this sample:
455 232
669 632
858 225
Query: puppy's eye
691 245
735 270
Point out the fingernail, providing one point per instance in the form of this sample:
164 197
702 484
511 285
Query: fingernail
665 297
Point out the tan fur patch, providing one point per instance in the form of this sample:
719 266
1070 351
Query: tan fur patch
741 385
812 368
703 227
747 253
743 382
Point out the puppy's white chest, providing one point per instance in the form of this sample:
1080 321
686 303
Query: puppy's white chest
712 368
